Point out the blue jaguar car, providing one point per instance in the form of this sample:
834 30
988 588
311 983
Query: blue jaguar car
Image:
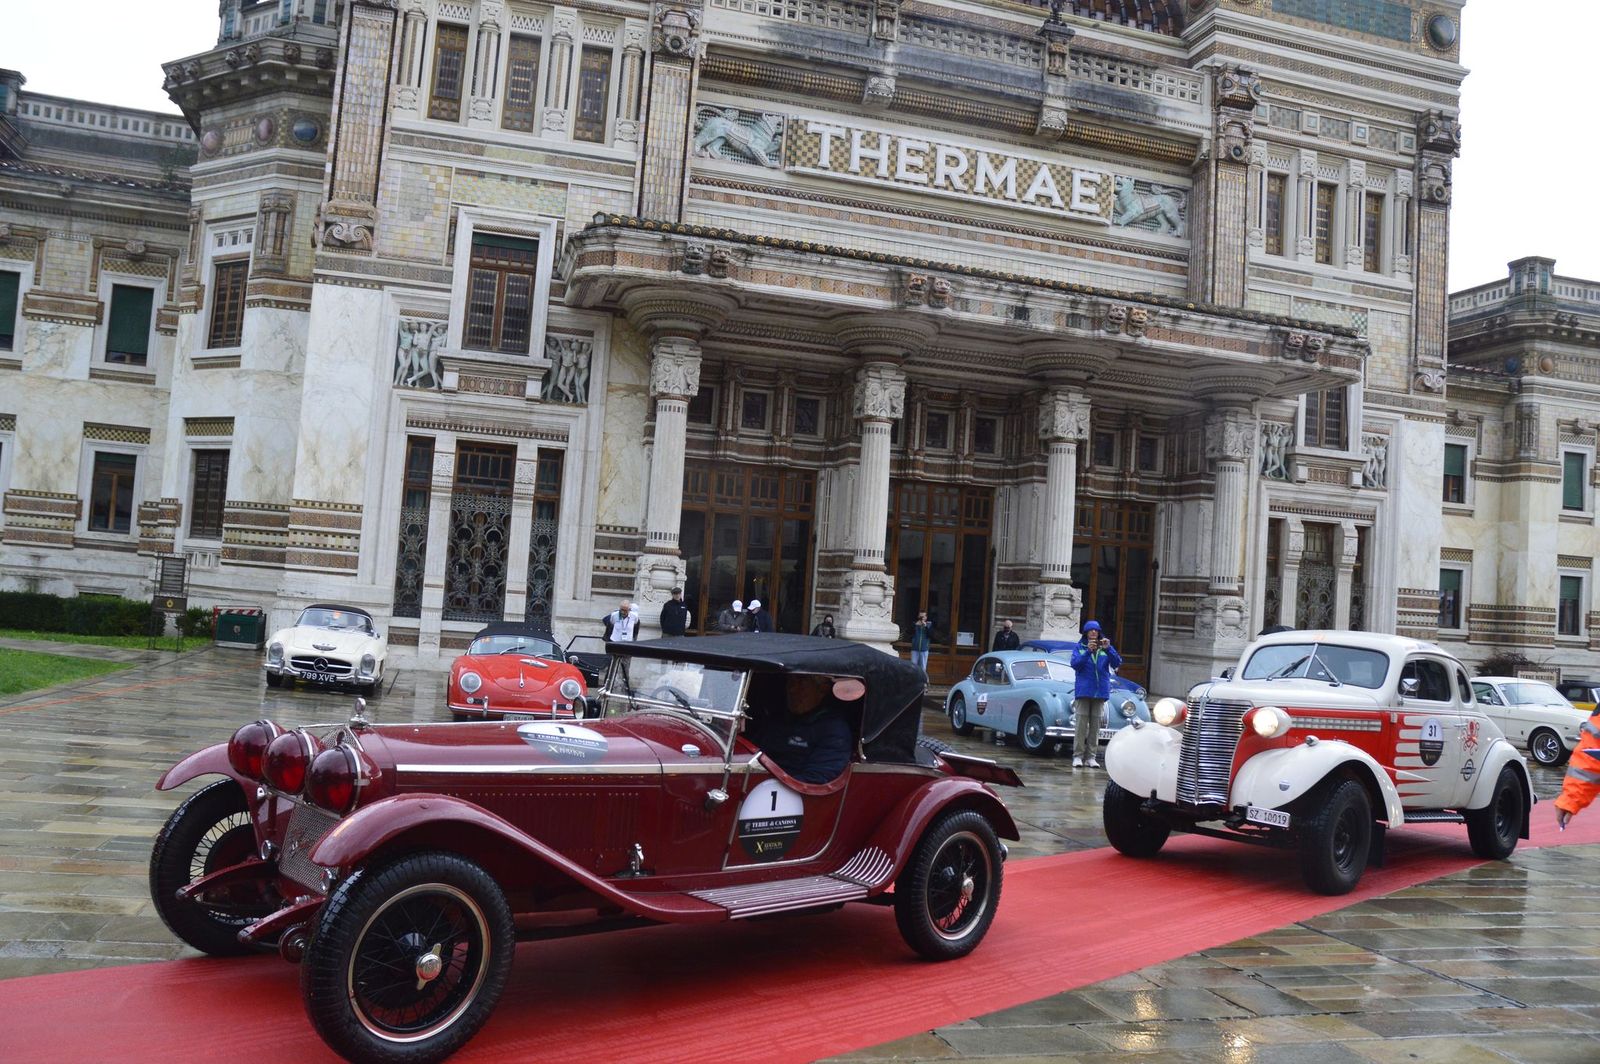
1028 694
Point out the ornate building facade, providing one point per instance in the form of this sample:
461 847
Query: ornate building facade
1132 310
1516 564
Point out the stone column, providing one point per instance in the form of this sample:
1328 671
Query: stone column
485 67
1439 141
1400 225
1055 605
1258 196
675 44
1294 549
558 81
1344 574
1305 242
411 70
629 84
1217 266
1355 210
867 613
443 483
520 534
356 135
1230 438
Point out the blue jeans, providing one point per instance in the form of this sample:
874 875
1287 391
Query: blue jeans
919 658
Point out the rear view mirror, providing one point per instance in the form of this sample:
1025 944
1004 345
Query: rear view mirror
1227 674
1409 686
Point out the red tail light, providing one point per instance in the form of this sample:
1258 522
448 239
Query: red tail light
287 758
331 781
248 746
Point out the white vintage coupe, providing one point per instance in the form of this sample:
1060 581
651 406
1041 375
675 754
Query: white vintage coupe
1534 716
328 645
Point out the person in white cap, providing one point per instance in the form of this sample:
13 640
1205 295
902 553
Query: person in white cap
761 620
733 619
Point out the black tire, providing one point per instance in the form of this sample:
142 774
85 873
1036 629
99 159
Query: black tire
274 680
1545 747
928 750
1030 731
1336 837
1494 829
209 832
958 715
947 894
377 921
1128 828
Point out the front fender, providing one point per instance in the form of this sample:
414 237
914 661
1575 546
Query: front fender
1500 754
1260 780
1144 760
212 761
898 834
367 830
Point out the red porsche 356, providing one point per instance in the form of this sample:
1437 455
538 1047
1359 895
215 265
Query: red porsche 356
399 864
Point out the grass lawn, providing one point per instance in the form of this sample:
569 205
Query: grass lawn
130 642
24 670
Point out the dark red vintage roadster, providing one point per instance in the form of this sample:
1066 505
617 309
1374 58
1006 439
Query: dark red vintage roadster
399 864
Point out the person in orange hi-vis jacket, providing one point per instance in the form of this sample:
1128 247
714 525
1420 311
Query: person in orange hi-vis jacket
1583 773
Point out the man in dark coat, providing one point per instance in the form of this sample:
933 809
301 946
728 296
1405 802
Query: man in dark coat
812 741
760 619
1006 638
675 614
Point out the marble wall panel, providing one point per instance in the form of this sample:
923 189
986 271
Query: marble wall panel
340 389
623 462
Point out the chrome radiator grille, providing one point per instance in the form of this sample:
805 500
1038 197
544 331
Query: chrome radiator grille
328 665
307 825
1205 761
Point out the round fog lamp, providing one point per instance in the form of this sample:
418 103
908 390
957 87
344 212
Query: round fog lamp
1168 711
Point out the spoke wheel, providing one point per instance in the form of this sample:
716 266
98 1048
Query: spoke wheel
958 716
1545 747
209 832
408 959
946 897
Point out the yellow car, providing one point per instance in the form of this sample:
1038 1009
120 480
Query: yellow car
1585 694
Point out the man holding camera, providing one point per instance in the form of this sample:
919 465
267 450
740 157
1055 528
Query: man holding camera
1092 659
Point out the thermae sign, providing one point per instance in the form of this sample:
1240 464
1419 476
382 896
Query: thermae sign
956 171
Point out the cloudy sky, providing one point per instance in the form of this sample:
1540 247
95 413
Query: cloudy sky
1524 109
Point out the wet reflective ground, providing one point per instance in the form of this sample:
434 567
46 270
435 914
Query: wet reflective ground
1501 963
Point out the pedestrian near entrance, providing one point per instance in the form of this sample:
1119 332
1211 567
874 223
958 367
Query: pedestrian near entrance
1006 638
733 618
1092 659
760 619
826 629
1583 773
622 623
921 642
675 614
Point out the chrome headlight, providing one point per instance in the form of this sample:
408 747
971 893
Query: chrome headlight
1129 709
1169 711
570 689
1269 722
470 682
275 653
368 663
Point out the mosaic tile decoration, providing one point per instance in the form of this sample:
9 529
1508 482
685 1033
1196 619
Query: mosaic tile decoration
1380 18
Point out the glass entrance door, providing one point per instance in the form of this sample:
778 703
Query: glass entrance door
1111 554
745 534
939 537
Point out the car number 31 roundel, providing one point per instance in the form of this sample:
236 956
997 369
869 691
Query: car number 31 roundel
769 820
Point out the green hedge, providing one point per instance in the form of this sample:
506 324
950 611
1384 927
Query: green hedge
84 615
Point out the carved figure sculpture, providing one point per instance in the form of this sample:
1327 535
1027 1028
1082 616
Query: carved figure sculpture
1375 473
728 133
1276 439
567 380
1159 208
416 360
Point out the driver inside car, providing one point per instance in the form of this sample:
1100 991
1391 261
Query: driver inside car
811 740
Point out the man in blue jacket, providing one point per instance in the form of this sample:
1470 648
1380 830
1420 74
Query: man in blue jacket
1092 659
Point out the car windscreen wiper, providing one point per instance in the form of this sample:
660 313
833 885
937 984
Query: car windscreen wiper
1284 672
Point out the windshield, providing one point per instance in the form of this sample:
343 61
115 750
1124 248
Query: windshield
709 695
1318 661
341 620
1533 694
510 642
1043 670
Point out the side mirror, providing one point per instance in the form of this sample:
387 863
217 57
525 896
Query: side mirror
1227 674
1409 686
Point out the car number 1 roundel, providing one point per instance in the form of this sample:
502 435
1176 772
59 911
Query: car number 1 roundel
769 820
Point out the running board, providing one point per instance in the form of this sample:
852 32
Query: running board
1434 816
854 882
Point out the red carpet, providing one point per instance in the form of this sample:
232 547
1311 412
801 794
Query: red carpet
788 989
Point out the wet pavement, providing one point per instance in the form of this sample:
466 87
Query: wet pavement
1499 963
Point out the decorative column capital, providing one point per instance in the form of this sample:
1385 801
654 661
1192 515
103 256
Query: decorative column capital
883 338
1230 435
676 311
1236 92
1063 415
880 392
1050 360
674 368
675 30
